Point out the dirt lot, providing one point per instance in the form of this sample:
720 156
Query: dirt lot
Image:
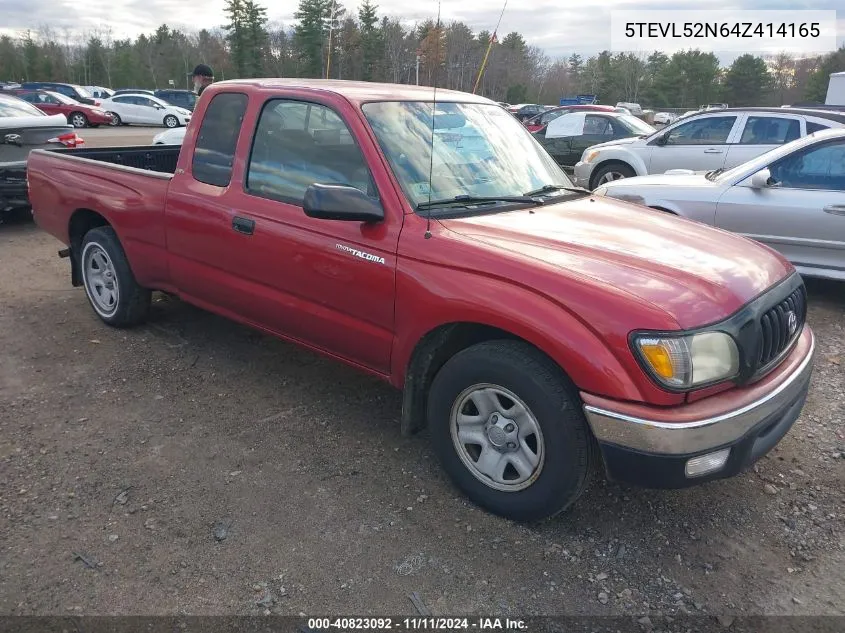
120 451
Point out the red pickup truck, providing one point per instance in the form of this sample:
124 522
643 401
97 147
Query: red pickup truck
537 330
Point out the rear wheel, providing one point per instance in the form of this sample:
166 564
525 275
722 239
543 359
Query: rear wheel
611 172
78 119
115 119
171 121
508 428
112 290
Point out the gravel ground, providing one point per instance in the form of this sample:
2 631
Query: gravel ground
192 466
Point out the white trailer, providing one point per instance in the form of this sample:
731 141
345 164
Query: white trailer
836 89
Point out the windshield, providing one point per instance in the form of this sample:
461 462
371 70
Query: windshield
761 161
12 107
637 125
62 98
82 92
479 151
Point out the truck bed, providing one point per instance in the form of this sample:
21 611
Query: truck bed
158 158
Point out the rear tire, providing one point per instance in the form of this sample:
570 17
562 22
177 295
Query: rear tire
115 120
112 290
611 172
78 120
171 121
540 434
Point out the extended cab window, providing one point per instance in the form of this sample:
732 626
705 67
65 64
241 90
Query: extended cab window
769 130
214 153
298 144
815 127
705 131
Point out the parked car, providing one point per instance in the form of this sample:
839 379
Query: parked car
181 98
99 92
145 109
77 93
540 121
172 136
23 127
133 91
530 325
791 198
77 114
525 111
701 142
664 118
567 136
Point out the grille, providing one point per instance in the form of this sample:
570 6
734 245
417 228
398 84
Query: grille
780 325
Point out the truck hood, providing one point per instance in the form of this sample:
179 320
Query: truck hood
695 273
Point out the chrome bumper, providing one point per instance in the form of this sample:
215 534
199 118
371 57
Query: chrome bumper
685 438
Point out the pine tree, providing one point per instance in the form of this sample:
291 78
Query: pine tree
258 39
237 35
309 35
371 40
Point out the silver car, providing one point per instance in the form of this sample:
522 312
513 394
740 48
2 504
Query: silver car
707 140
791 198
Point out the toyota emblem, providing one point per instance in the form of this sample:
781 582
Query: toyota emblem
791 322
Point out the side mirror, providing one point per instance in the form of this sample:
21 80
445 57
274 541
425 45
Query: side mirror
761 179
341 202
663 139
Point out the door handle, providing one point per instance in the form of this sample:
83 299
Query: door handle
712 151
243 225
835 209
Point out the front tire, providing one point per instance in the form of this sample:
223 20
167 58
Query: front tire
78 120
171 121
508 428
112 290
611 172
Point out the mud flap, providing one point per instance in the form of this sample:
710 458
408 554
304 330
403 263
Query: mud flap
75 272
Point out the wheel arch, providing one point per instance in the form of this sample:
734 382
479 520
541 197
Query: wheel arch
81 221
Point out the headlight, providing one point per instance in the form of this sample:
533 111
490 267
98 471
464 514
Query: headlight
590 155
600 191
686 362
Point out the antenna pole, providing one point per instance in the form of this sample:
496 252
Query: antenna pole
433 113
489 47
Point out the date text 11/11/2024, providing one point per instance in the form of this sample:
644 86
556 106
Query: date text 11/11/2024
426 623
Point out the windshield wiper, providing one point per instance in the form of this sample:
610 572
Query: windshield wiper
711 175
553 188
467 200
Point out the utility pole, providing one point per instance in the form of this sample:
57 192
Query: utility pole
418 68
331 26
493 39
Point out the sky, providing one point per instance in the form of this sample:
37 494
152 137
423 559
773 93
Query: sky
559 28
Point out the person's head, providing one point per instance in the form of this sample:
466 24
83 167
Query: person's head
202 75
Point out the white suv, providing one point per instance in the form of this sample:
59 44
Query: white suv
701 142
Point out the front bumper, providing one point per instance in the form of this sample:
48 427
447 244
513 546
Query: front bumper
650 446
582 173
13 191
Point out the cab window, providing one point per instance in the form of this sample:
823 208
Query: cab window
214 153
298 144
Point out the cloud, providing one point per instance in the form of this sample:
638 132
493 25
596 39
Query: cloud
558 28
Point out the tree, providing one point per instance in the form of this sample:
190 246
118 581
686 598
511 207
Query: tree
371 40
819 80
783 76
747 82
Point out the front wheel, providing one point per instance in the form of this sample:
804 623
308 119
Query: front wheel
171 121
112 290
508 428
611 172
77 119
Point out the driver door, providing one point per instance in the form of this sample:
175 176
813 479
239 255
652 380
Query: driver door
148 111
700 144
